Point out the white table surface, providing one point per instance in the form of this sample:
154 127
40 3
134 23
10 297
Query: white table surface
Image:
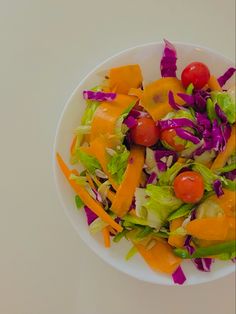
46 47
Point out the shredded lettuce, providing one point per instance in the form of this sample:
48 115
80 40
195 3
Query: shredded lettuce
167 178
79 203
118 163
78 179
158 204
226 103
86 121
208 176
89 162
121 128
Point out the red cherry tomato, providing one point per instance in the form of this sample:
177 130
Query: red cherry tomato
145 133
169 137
189 186
196 73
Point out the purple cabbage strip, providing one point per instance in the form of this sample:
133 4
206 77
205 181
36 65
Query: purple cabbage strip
231 175
97 195
217 186
151 178
189 99
203 264
187 136
161 166
168 61
233 260
220 114
226 76
130 122
172 102
98 96
218 140
138 114
161 153
178 276
91 216
176 123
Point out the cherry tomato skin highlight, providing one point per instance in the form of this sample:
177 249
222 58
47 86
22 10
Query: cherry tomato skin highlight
169 137
146 132
196 73
189 186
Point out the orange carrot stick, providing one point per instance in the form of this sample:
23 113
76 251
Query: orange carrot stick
126 190
106 237
85 197
160 257
222 157
90 181
212 228
176 240
213 84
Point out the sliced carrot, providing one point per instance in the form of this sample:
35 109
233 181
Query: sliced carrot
231 234
212 228
222 157
126 190
90 181
85 197
72 146
125 77
176 240
136 92
105 118
213 84
155 97
227 202
160 257
106 237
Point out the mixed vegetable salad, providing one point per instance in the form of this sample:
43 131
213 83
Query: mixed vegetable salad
158 164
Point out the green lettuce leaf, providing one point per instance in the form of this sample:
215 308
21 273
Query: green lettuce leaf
89 162
117 163
121 128
226 103
208 176
157 205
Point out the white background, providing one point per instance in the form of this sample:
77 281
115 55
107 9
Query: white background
46 47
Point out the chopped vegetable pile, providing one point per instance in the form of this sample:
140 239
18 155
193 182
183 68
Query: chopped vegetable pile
159 164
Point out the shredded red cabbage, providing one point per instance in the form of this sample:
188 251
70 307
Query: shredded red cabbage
152 178
172 102
179 276
97 195
189 99
91 216
233 260
130 122
176 123
186 135
168 61
203 264
138 114
98 96
220 113
226 76
161 154
231 175
217 186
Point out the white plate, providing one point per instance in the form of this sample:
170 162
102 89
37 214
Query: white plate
148 57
